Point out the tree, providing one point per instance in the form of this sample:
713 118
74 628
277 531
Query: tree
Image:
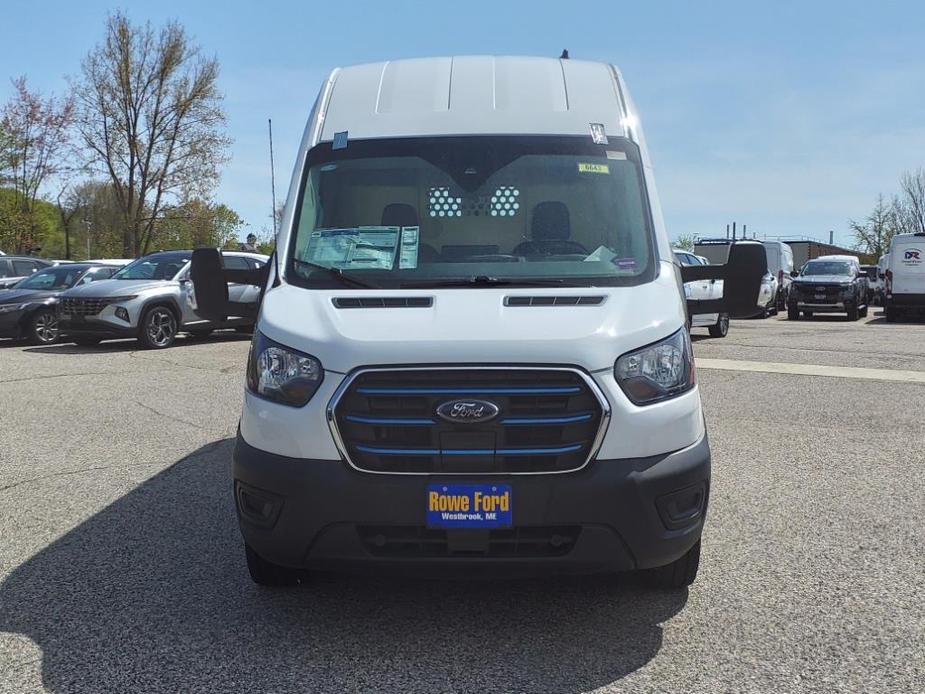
873 235
685 242
33 147
912 206
198 223
151 118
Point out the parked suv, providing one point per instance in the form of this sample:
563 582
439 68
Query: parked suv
829 285
150 299
14 268
28 309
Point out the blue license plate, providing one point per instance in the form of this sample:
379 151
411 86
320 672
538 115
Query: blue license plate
468 506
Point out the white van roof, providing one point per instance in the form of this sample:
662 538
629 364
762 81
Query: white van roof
474 95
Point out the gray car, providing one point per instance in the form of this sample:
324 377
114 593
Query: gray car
152 300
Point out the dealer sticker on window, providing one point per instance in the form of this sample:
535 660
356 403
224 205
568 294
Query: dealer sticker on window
469 506
588 167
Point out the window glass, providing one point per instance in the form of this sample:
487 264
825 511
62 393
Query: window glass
157 266
24 267
235 262
398 212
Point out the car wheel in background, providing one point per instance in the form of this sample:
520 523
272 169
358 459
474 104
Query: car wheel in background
891 314
807 314
678 574
157 328
86 341
793 313
265 573
863 312
721 327
852 310
43 328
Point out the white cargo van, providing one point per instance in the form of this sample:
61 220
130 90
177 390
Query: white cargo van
471 350
780 265
904 278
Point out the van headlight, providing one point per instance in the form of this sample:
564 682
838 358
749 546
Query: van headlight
660 371
281 374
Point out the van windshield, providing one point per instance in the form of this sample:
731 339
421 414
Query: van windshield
473 211
826 267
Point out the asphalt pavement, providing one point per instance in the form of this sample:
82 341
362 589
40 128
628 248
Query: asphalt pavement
121 567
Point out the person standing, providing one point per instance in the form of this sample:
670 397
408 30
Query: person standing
250 244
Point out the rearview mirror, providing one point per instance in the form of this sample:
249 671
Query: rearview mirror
210 281
745 267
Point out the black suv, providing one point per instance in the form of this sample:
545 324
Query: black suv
829 285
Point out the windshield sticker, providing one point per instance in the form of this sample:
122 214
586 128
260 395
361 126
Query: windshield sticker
408 253
371 248
340 140
585 167
624 263
619 156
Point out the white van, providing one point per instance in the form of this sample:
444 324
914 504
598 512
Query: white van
780 265
471 350
904 282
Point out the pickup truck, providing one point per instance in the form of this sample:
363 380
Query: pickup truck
829 286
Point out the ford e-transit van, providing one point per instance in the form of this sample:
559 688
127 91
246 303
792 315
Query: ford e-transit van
471 348
904 278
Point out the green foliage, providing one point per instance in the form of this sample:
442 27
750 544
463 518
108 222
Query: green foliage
23 230
685 242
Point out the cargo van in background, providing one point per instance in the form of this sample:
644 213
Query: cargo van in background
882 265
873 283
780 265
471 352
904 278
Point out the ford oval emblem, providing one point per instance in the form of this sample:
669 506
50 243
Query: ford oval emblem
468 411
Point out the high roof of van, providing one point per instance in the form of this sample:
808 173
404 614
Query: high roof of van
475 95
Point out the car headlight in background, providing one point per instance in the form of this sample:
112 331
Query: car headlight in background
660 371
282 374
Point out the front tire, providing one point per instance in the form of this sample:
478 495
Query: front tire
853 314
892 315
676 575
266 573
863 312
721 328
43 328
793 313
157 328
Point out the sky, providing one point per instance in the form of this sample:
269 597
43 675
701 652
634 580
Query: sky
789 117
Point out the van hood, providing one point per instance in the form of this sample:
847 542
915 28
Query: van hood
110 288
473 325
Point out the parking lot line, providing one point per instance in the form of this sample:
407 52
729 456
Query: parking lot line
813 370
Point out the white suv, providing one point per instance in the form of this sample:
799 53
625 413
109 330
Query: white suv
151 299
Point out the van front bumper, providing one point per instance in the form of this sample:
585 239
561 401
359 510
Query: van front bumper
612 515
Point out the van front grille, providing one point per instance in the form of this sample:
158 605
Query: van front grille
417 541
548 420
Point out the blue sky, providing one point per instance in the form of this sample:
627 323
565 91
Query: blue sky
788 116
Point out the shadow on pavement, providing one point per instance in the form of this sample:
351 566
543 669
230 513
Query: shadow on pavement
152 594
131 345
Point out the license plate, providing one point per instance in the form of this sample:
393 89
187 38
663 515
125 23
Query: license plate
820 296
468 506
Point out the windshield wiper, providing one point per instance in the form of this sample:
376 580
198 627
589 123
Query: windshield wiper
338 274
486 281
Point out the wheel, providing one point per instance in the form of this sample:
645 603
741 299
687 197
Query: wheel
793 313
86 341
43 328
852 310
863 312
808 314
265 573
721 328
892 315
157 328
678 574
200 332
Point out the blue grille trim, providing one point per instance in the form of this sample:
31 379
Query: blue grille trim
389 421
534 421
558 390
469 451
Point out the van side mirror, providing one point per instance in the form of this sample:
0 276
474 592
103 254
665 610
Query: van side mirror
881 275
210 281
742 274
